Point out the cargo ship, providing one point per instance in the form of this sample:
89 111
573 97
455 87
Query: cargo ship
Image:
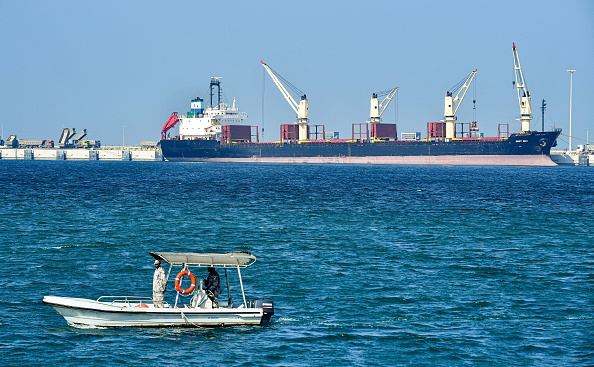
217 134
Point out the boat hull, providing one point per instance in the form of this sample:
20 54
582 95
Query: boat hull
530 149
85 312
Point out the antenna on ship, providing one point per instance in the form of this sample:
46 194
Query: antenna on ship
215 81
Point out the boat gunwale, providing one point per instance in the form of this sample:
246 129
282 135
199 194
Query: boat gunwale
160 311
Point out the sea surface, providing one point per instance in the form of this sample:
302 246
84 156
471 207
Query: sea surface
367 265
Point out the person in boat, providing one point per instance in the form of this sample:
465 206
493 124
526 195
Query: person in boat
159 285
213 286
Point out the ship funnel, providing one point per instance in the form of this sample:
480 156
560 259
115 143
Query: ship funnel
197 106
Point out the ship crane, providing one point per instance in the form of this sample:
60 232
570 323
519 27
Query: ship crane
377 108
524 98
301 109
452 103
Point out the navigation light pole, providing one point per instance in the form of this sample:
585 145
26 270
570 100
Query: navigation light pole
571 71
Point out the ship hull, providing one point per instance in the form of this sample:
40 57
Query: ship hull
530 149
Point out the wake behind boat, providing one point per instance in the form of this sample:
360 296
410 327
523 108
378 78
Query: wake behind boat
199 311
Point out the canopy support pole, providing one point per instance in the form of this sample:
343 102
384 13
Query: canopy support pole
229 301
241 284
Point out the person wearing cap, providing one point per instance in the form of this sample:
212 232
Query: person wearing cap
159 285
213 286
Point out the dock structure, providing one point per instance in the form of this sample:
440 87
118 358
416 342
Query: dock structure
102 154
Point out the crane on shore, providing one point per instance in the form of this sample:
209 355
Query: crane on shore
301 108
453 102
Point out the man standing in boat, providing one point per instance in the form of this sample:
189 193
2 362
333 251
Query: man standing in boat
213 286
159 285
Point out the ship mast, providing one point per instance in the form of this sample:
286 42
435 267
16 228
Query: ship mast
215 81
542 108
524 98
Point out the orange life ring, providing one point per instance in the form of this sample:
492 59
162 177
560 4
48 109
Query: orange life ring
179 276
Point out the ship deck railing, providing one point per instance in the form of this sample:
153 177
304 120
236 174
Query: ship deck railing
360 141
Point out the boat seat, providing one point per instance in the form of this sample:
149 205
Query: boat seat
199 299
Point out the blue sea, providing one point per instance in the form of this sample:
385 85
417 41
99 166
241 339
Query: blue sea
367 265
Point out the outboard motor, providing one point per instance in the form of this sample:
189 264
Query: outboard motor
267 306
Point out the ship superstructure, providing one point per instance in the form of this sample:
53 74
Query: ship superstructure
205 123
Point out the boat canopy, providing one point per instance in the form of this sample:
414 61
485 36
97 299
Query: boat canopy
241 259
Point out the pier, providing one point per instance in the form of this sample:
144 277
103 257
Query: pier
100 154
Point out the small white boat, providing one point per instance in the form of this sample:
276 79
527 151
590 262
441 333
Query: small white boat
197 311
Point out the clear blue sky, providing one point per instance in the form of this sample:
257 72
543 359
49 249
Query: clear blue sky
103 65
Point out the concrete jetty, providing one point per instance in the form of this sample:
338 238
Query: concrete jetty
100 154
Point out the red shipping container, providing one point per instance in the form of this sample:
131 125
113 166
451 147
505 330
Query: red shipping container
384 131
237 133
436 129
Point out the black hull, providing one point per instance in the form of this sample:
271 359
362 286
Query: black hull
519 149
